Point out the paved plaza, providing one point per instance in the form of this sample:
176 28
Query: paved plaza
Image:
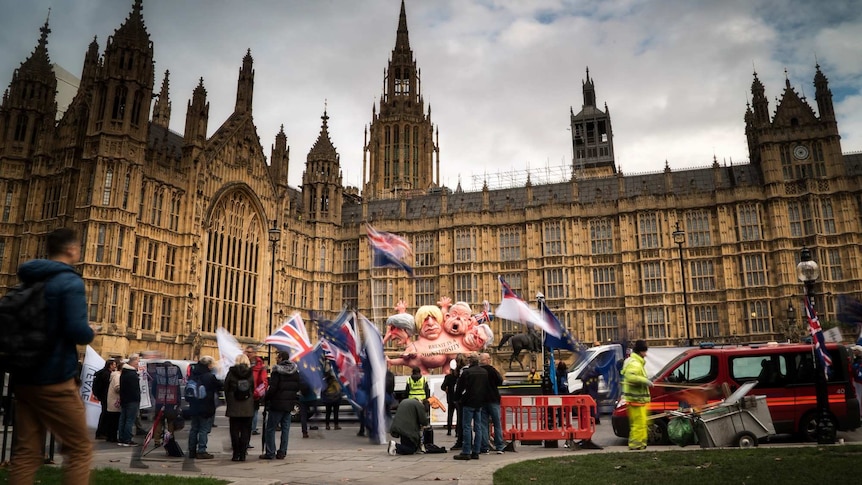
341 457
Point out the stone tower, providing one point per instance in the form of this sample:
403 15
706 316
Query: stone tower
592 136
795 144
28 108
400 146
322 192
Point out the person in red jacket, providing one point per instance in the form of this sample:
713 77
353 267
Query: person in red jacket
258 371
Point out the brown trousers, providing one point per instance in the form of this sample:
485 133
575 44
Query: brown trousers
57 407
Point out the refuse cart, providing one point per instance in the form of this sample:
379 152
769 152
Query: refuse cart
740 420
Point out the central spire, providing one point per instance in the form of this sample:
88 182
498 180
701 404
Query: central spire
402 41
400 146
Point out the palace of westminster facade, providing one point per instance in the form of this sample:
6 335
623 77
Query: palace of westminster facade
180 230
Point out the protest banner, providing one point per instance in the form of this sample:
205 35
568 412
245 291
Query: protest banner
92 363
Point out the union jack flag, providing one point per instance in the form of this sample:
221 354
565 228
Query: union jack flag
292 336
341 333
817 337
348 370
485 316
390 251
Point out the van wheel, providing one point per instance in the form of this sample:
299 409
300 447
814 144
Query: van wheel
657 433
746 439
808 426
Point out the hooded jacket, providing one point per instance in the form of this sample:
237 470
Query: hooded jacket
130 385
635 382
238 408
66 311
206 407
285 387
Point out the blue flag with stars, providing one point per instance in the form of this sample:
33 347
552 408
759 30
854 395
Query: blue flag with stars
565 340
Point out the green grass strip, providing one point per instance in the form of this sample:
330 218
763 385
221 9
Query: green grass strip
764 465
109 476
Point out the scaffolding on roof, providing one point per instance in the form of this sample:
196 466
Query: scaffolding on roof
507 179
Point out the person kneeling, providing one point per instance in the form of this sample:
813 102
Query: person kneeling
407 424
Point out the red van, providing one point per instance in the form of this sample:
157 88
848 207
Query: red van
785 375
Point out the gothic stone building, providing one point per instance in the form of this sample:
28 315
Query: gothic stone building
184 233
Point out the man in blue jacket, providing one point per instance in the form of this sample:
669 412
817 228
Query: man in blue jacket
48 397
202 411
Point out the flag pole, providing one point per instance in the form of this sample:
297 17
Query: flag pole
540 298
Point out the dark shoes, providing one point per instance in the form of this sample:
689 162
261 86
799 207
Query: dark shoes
204 456
474 456
337 427
462 456
255 431
361 433
266 457
279 455
456 446
305 434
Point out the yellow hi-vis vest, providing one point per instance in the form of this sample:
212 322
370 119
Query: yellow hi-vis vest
417 388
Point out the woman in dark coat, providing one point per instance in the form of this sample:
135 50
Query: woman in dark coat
238 390
101 382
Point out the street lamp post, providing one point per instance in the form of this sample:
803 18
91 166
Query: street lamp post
679 238
274 236
808 271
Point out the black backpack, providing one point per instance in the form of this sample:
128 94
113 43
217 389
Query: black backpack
25 336
243 390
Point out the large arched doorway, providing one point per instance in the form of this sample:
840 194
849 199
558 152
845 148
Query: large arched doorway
233 258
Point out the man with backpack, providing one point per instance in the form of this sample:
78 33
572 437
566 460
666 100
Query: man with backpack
200 389
282 397
46 392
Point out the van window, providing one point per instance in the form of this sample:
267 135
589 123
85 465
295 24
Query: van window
699 369
768 370
802 368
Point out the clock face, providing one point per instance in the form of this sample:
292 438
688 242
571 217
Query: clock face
800 152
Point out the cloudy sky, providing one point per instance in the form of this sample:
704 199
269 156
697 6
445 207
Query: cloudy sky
500 75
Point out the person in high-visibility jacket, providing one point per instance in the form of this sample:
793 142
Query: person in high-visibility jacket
636 393
417 386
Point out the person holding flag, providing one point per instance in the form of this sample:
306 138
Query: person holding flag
281 398
293 337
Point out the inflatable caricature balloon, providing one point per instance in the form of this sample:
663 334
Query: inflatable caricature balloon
478 338
442 333
400 328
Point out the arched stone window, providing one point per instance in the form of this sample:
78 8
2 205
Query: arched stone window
236 240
